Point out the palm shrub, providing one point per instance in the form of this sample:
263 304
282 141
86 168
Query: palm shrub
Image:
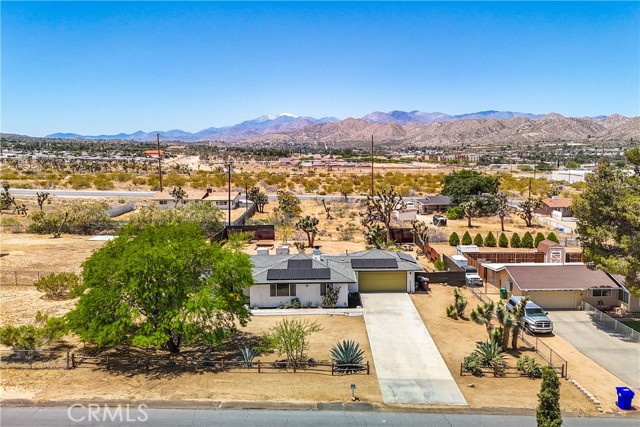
478 241
515 240
539 238
503 242
490 240
348 356
454 239
530 367
466 238
548 411
527 240
247 354
552 236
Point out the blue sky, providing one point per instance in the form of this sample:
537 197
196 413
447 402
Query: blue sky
101 68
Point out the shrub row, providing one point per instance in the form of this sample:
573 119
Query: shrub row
527 241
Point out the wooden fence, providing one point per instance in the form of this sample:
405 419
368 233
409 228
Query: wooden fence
35 359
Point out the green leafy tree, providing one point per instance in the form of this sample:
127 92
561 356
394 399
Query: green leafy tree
291 338
57 285
490 240
259 198
161 286
552 236
466 238
527 209
309 225
380 210
539 238
464 184
548 411
477 240
503 242
455 212
608 214
454 240
527 240
515 241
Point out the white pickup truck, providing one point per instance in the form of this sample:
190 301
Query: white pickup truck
472 277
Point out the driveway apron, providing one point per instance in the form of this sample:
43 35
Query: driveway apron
409 366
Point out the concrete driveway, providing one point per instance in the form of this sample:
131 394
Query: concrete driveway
408 363
621 358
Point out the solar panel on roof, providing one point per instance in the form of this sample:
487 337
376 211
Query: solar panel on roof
286 274
273 274
323 273
374 263
299 263
406 257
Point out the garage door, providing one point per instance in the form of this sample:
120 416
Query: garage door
551 299
382 281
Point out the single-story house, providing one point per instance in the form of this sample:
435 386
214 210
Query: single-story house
431 204
280 278
556 286
166 201
560 204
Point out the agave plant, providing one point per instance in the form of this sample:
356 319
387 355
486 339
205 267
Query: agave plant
247 354
347 353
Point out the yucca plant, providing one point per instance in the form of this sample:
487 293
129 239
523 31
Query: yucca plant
451 311
347 353
247 354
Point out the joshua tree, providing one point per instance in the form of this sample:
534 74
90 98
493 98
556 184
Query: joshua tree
259 198
502 208
528 207
178 195
483 314
470 209
380 209
507 321
43 197
518 315
309 225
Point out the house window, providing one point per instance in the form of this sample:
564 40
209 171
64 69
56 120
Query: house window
600 292
623 295
282 290
324 287
163 202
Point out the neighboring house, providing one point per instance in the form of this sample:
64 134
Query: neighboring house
556 286
220 199
570 175
433 204
280 278
628 301
559 204
407 214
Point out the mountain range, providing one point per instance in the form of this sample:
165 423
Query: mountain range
404 128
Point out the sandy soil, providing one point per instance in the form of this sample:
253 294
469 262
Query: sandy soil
457 338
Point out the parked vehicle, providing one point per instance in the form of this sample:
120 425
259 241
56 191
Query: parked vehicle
472 277
440 221
535 320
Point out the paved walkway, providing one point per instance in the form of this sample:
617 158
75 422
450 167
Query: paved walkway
408 363
621 358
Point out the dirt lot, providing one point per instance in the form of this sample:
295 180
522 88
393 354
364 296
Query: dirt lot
457 338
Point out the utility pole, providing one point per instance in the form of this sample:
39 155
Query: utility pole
228 165
159 162
372 184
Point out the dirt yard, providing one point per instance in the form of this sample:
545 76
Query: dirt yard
457 338
236 385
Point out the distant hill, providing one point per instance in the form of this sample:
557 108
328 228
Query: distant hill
415 128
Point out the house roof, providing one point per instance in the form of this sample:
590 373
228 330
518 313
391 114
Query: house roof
560 202
558 277
262 264
405 262
435 200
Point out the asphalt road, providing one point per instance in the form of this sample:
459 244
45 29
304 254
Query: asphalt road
81 193
82 416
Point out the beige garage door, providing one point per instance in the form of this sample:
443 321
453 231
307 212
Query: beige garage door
382 281
554 299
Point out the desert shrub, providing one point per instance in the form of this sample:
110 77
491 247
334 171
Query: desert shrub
57 285
451 311
455 213
291 338
102 182
527 240
78 182
539 238
552 236
10 224
472 363
529 366
490 240
466 238
503 242
477 240
440 265
29 337
454 240
515 241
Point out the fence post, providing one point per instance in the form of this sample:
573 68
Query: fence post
295 364
258 366
222 364
68 361
332 368
367 367
15 273
73 361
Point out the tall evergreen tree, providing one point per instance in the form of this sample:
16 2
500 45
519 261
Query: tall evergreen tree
539 238
503 242
515 240
548 411
527 240
466 238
